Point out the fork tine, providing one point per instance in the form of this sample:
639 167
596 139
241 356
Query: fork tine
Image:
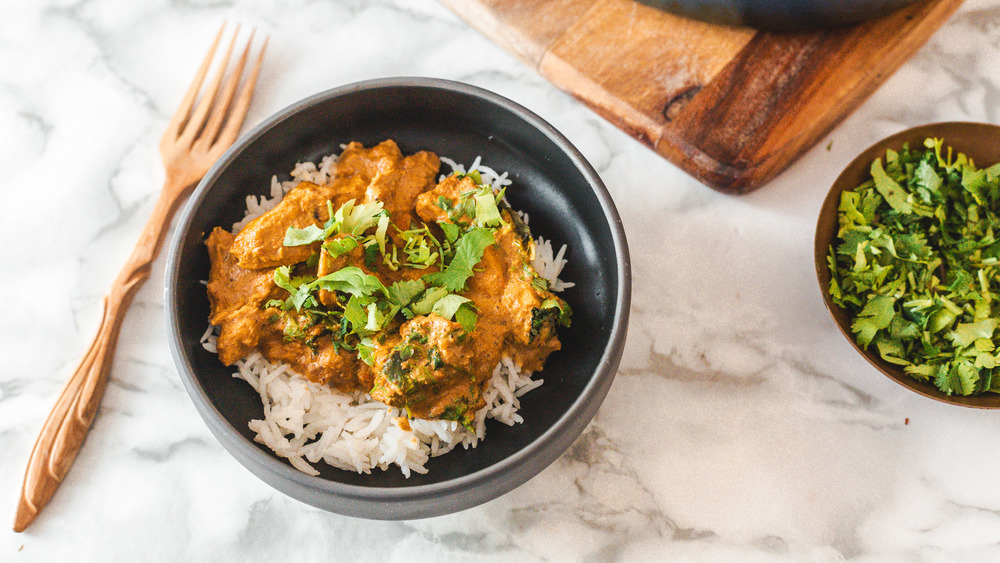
221 108
197 121
181 115
239 111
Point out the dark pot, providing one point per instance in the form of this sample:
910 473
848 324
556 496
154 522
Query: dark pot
780 15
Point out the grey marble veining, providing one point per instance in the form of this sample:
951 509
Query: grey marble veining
741 426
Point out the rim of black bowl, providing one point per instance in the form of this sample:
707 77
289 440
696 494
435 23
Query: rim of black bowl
584 406
826 232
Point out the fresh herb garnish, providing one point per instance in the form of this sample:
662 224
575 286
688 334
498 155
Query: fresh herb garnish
460 308
917 266
351 280
366 306
349 219
468 252
338 246
299 237
487 213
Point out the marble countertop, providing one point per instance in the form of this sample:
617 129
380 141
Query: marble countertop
771 439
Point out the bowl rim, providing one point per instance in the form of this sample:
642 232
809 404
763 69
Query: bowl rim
826 222
585 405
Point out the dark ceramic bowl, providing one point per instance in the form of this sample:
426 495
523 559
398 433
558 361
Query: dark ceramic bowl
981 143
567 203
781 15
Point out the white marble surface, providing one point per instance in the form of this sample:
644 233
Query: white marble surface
772 440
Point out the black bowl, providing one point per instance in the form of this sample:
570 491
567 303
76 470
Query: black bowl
567 203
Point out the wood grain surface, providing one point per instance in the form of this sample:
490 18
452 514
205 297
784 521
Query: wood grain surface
731 106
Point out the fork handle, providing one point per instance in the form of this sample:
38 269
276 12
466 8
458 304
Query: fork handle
66 427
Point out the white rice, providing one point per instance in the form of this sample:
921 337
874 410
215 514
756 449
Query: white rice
308 423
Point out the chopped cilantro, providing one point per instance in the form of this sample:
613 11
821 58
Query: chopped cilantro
356 219
468 252
401 293
487 213
425 304
420 247
352 280
298 288
466 316
349 219
451 231
448 305
298 237
916 264
338 246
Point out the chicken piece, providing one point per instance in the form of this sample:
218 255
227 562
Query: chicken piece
398 187
365 164
504 292
236 295
430 369
318 361
261 242
240 333
428 207
230 286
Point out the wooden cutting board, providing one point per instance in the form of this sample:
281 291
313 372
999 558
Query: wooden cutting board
730 105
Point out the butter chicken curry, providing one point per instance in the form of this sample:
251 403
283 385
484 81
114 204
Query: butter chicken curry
387 281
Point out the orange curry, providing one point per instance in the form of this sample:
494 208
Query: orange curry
387 281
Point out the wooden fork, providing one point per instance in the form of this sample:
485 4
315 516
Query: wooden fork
195 138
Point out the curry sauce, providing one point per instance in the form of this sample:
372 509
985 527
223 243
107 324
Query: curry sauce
386 281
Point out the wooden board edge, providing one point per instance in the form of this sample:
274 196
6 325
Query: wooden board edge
734 177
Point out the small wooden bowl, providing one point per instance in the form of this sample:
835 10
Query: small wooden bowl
981 143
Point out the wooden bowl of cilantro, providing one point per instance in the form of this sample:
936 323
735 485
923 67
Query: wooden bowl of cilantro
908 259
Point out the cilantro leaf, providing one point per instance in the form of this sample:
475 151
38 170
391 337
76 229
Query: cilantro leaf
975 182
282 279
967 333
352 280
451 231
876 315
426 302
355 313
338 246
960 379
926 177
402 292
466 316
468 252
376 320
893 193
299 288
356 219
564 312
365 350
917 265
487 214
447 305
299 237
